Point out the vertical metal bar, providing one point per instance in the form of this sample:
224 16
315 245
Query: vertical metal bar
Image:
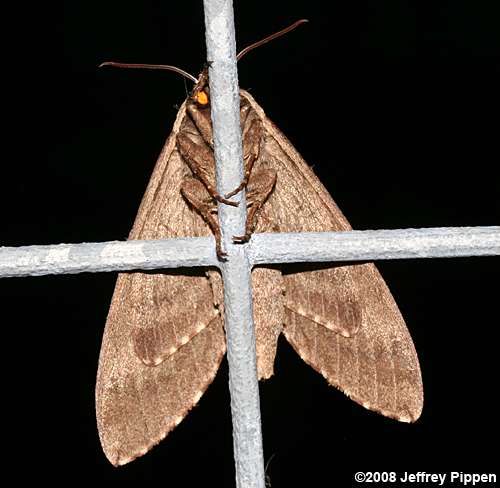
236 271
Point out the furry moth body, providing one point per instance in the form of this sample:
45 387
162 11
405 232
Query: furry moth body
164 336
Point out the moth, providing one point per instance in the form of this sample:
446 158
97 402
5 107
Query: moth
164 336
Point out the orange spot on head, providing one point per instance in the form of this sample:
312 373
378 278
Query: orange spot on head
202 98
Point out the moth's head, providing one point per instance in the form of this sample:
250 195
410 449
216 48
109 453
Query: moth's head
201 91
202 98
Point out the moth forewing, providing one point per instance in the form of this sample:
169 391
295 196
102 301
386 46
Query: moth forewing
342 320
164 337
163 340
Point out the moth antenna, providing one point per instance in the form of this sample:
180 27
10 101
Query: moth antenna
270 38
151 66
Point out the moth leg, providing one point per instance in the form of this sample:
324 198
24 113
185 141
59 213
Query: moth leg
260 187
195 192
200 160
202 121
251 149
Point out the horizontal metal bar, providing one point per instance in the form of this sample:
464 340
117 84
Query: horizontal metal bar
107 256
263 248
371 245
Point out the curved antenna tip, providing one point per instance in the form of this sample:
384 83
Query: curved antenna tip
270 38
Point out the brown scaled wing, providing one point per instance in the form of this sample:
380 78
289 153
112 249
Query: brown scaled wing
343 321
164 338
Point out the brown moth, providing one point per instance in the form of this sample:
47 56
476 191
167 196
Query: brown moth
164 337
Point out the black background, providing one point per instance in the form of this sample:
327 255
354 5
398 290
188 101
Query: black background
395 107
